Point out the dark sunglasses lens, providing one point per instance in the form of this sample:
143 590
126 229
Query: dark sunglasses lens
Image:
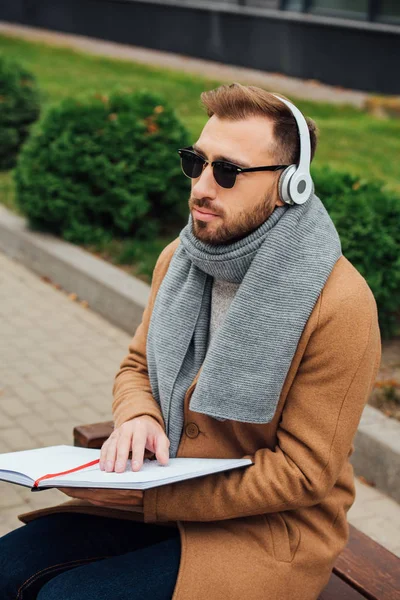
192 165
225 174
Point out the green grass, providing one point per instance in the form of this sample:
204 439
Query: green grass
350 139
7 191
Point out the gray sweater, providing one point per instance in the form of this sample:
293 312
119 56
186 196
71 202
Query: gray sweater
222 295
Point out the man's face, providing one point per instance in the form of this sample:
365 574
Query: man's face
243 208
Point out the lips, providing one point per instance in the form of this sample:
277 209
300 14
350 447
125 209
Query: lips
203 212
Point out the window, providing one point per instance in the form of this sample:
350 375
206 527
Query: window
275 4
294 5
389 11
352 9
379 11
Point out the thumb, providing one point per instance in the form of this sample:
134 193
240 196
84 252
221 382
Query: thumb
162 448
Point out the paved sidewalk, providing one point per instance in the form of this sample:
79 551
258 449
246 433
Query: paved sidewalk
57 365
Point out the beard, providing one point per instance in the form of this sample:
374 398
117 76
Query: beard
229 232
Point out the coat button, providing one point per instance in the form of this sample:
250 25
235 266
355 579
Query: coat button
192 430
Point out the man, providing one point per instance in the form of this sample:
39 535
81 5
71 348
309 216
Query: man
262 342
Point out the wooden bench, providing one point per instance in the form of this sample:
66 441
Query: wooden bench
364 569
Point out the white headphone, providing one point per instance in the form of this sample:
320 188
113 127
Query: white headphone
295 184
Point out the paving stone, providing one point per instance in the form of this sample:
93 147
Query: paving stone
66 428
61 372
24 343
84 414
53 438
4 447
44 382
13 406
65 398
34 424
9 496
26 368
80 387
28 392
8 376
51 412
92 375
99 403
108 367
5 422
16 438
72 361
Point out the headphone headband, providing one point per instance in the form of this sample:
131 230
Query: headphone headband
295 183
305 144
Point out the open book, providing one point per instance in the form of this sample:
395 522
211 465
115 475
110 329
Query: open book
68 466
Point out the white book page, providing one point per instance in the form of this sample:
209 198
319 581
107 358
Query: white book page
177 468
36 463
42 461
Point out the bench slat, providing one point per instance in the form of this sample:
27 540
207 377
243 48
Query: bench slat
92 436
337 589
369 567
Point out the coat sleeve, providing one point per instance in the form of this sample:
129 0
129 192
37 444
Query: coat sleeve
314 437
132 394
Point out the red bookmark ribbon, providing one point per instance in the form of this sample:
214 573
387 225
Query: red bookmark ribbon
50 475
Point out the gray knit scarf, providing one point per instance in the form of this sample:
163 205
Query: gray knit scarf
282 267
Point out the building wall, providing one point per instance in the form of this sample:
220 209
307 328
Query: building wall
348 53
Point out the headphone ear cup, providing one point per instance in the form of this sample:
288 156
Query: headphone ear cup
283 184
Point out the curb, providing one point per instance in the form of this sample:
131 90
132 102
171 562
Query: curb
121 298
377 451
118 297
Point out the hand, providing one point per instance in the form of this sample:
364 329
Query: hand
138 434
108 498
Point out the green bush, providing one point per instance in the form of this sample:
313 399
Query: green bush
105 168
367 219
19 108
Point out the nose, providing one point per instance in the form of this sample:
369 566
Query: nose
204 186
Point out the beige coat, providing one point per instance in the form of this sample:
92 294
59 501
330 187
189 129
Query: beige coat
272 530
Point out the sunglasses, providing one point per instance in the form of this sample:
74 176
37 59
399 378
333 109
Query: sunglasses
224 172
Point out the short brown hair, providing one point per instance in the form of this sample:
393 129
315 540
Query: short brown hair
236 101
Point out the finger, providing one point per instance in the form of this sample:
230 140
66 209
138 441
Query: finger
162 448
123 448
138 446
103 455
111 452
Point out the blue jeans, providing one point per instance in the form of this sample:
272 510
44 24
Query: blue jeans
68 556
